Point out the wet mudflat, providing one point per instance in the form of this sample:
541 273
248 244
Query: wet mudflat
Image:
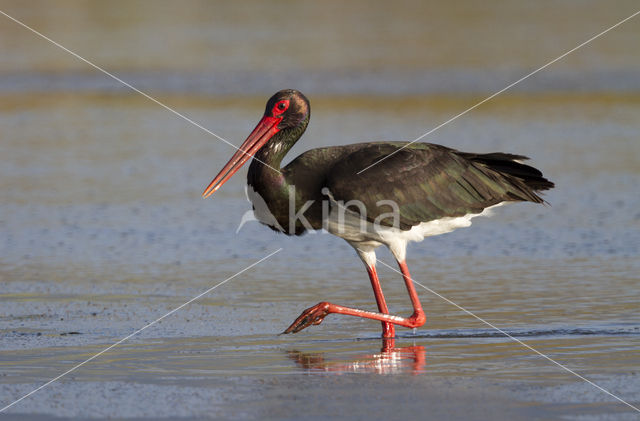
102 231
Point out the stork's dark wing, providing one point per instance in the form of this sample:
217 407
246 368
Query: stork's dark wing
429 181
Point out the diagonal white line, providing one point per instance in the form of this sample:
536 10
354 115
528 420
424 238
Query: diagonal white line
138 331
502 90
149 97
515 339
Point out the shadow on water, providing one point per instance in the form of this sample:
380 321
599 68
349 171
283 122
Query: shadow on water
526 333
390 360
412 359
558 332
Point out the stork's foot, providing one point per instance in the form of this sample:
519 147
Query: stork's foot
311 316
316 314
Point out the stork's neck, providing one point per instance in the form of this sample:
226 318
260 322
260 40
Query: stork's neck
267 179
265 166
265 175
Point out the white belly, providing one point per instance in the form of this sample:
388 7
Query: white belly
366 236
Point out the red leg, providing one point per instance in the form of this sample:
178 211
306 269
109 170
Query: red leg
316 314
418 316
388 331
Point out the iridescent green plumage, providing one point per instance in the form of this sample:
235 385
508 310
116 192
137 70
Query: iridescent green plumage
426 181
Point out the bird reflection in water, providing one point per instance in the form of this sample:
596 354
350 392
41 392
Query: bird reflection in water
390 360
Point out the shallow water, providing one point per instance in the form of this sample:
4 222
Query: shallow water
102 229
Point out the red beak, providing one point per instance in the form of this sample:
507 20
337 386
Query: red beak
266 128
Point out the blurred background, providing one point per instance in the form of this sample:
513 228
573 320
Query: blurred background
102 228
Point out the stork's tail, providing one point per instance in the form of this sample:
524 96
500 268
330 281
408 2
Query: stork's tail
510 165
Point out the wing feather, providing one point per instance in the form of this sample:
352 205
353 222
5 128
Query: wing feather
428 181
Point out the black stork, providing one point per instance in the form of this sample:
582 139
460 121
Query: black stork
417 190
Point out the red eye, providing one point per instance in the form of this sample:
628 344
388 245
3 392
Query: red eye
280 107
